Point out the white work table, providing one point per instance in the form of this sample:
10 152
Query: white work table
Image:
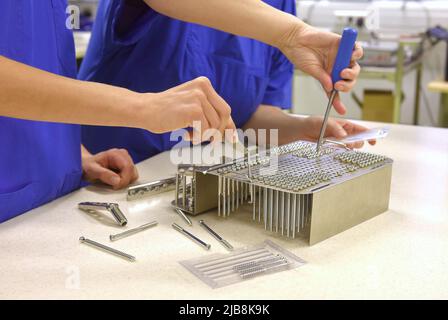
402 253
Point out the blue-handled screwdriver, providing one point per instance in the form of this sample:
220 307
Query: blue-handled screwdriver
342 61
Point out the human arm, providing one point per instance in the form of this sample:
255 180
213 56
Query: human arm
311 50
293 127
33 94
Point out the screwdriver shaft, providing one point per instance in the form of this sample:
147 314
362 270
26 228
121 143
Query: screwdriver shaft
324 123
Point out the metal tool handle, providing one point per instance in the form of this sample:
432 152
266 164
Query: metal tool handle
344 54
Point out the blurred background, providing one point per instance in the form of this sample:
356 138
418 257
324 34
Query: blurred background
405 70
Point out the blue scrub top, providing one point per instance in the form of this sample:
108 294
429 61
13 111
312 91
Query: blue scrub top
39 161
133 46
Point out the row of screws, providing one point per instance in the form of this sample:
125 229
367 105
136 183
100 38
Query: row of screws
361 159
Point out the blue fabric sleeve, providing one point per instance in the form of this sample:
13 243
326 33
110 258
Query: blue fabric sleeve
131 20
279 90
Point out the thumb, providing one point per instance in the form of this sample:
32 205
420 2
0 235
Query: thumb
335 129
104 175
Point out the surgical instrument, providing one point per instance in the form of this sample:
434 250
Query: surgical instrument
204 245
107 249
342 61
114 237
113 208
183 216
227 245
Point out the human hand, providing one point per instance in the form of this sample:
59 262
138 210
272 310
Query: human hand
336 128
113 167
314 51
193 102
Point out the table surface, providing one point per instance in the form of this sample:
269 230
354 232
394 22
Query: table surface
402 253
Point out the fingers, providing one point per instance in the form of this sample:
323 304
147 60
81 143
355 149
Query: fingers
325 80
335 129
95 172
218 104
349 75
358 52
338 105
355 145
121 162
213 112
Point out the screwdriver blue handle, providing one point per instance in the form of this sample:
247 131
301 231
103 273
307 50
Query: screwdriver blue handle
344 54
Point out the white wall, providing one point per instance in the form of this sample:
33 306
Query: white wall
308 95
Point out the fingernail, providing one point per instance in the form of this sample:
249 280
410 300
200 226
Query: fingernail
114 180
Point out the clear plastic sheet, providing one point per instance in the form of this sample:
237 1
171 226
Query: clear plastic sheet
220 270
372 134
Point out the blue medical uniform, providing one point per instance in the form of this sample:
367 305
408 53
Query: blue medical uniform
133 46
39 161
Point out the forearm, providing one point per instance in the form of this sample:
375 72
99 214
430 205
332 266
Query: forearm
33 94
250 18
269 117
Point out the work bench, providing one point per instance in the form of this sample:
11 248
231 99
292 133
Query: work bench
402 253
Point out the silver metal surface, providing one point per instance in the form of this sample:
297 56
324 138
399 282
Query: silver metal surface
325 121
114 237
107 249
227 245
190 236
113 208
152 188
183 216
293 199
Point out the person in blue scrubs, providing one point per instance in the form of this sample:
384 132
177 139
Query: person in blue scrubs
43 160
40 102
135 47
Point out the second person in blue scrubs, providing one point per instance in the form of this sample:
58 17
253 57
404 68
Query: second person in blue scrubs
135 47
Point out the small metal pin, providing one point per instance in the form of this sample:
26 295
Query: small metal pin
184 191
219 194
282 210
183 216
107 249
288 206
227 245
224 195
176 195
276 210
294 212
253 199
114 237
233 195
237 194
271 208
228 197
265 207
198 241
